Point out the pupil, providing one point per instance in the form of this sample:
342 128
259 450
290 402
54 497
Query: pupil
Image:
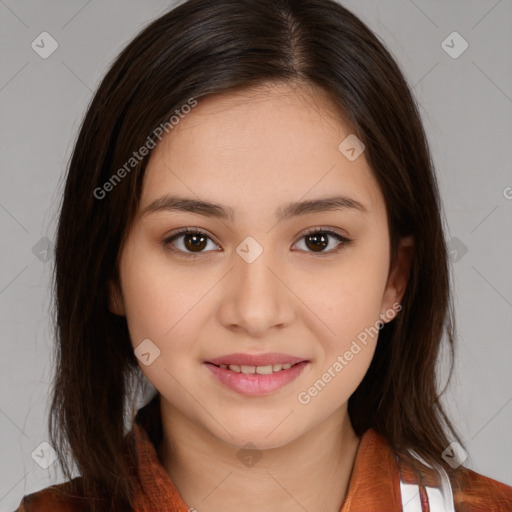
320 239
191 241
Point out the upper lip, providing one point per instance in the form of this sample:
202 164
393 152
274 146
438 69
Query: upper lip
255 359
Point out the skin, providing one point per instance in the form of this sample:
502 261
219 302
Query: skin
254 151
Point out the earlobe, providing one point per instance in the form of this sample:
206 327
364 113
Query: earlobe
398 277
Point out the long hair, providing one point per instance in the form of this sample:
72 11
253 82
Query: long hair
201 48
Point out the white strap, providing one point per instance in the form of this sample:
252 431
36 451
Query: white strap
440 499
411 501
410 497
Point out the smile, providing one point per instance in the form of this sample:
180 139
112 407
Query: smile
261 370
256 380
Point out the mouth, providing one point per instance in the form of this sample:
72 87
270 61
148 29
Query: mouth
256 375
256 360
260 370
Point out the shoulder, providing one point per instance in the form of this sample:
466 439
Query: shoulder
56 498
475 492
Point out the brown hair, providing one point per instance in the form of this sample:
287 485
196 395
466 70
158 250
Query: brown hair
197 49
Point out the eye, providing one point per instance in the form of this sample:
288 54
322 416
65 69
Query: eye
317 239
194 241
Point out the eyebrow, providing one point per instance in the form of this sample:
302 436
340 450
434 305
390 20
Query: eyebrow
171 203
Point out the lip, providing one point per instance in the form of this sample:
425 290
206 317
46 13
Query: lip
254 384
256 359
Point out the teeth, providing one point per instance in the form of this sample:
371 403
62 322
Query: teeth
264 370
261 370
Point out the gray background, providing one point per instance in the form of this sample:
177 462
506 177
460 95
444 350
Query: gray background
466 105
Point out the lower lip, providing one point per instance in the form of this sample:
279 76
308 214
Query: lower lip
254 384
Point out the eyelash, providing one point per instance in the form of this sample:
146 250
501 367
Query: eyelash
344 241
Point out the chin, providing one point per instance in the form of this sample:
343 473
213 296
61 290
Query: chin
264 435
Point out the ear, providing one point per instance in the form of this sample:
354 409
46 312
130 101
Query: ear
397 279
115 299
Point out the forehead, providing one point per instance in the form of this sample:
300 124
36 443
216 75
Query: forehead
253 148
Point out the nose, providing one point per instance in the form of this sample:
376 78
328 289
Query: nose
257 296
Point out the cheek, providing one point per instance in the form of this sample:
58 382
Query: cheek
332 386
347 297
163 315
157 302
349 309
147 304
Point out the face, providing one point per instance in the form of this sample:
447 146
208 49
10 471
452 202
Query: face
258 274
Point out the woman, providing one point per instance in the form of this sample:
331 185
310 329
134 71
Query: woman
251 223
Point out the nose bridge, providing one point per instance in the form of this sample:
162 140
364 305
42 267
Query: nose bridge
259 298
255 259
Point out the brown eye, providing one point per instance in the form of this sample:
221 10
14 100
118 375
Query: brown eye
318 240
188 241
194 242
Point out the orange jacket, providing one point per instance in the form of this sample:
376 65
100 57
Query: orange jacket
374 485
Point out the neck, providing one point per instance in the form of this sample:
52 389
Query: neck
311 472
